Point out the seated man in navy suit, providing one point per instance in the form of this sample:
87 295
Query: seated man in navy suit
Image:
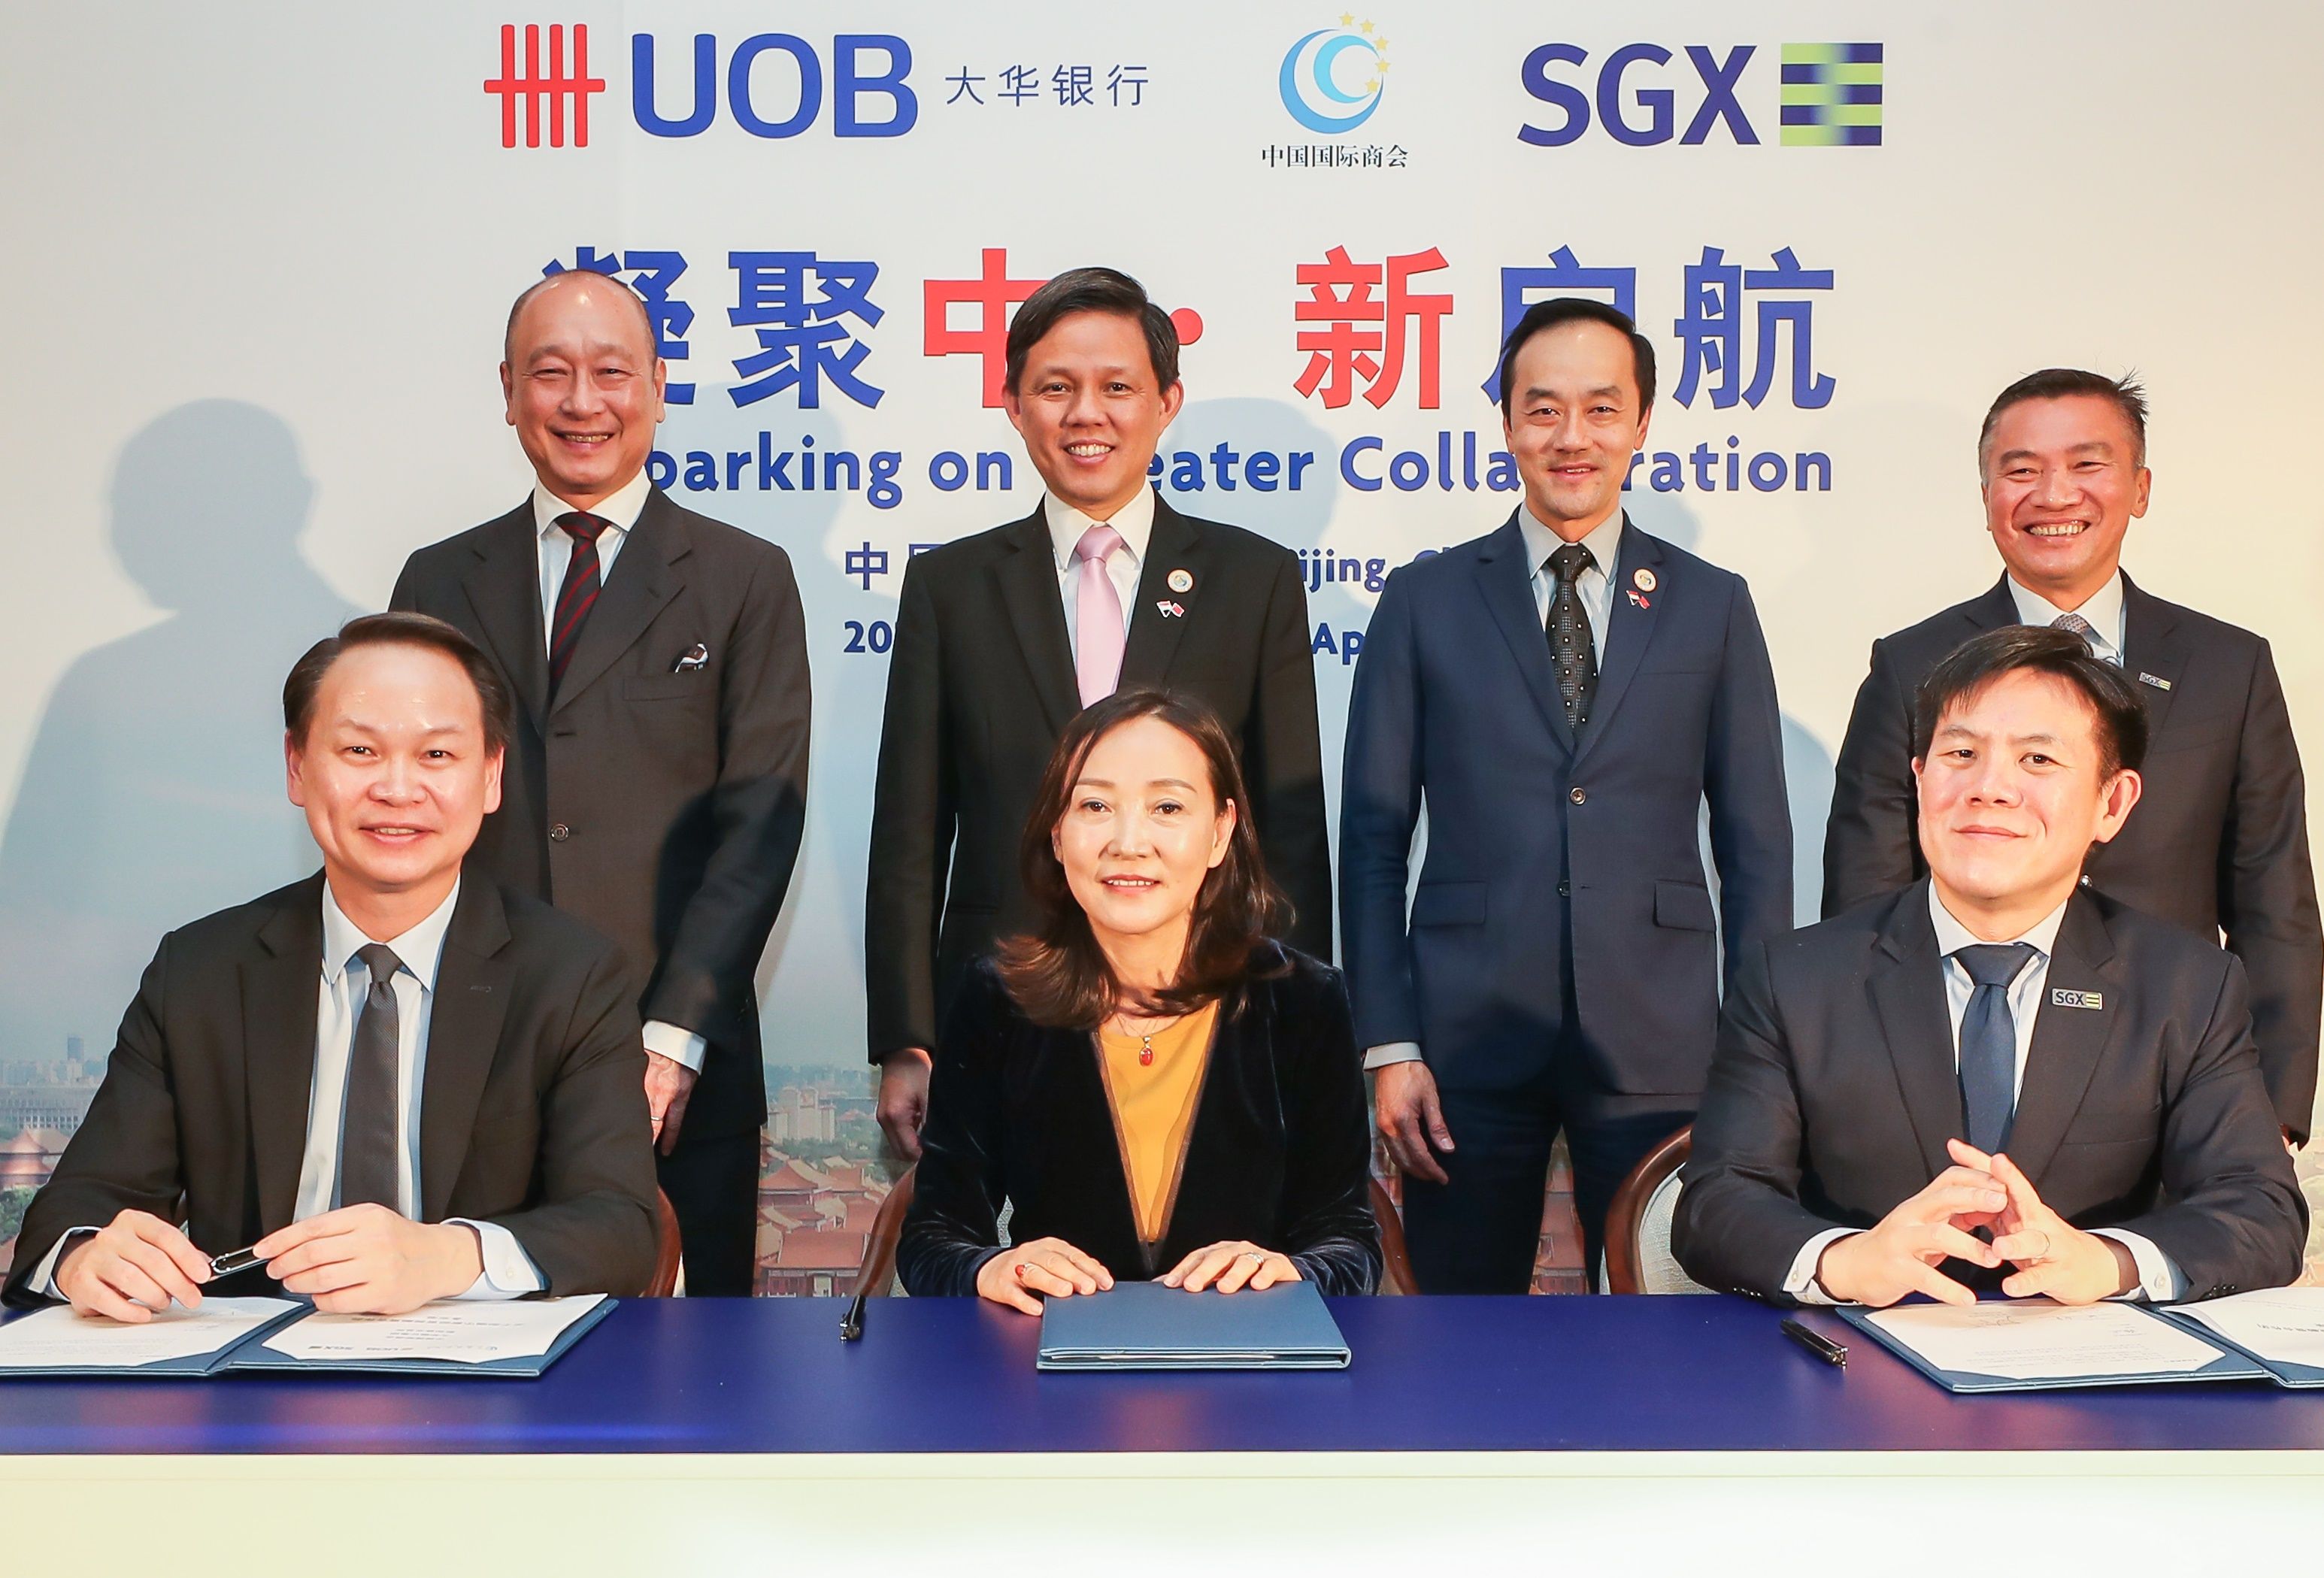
1995 1075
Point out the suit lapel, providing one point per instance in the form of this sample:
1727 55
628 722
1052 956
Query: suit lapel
503 588
2068 1041
1908 992
1037 614
644 577
281 991
1503 580
2152 645
1630 623
1996 609
1173 545
464 1032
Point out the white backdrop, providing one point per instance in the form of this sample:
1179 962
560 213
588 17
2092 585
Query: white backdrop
259 256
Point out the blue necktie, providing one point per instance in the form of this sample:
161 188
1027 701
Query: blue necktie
1988 1041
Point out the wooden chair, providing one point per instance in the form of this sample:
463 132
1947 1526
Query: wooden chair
877 1275
1396 1264
1638 1259
666 1248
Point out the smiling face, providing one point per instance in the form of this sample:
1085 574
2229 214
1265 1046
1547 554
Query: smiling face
394 774
2013 792
1573 422
2062 482
1091 411
583 386
1142 830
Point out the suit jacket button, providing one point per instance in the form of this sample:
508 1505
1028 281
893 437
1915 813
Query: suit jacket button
1578 795
558 832
1565 889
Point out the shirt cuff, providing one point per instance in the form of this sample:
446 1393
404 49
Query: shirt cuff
1800 1281
509 1272
2159 1281
676 1043
43 1280
1392 1052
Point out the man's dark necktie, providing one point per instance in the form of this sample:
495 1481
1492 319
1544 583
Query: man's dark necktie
368 1150
577 595
1572 650
2079 626
1988 1041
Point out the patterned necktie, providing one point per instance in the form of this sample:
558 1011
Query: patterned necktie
577 595
1098 634
367 1143
1988 1041
1570 648
2079 626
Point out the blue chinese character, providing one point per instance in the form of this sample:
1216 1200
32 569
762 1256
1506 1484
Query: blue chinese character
865 562
1810 390
1710 330
801 338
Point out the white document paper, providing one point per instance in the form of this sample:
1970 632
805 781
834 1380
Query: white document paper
465 1332
2040 1341
61 1339
2283 1326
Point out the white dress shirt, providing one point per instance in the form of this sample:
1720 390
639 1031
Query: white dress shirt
1595 588
345 984
2104 612
1134 520
2159 1278
618 510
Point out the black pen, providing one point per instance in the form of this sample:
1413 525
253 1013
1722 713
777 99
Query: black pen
1816 1343
851 1325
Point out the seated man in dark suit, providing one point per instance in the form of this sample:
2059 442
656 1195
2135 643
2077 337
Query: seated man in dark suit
1994 1048
401 1086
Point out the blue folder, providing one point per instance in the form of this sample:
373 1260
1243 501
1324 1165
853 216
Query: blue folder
1145 1325
2231 1365
192 1367
2283 1372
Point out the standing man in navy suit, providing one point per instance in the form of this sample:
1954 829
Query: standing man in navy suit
1563 697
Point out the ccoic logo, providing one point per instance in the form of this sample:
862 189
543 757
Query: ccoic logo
1831 95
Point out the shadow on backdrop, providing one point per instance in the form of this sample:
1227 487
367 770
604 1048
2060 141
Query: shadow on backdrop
153 793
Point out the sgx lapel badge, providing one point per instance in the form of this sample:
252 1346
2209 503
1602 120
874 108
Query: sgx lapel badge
1169 610
2156 680
1635 600
1181 581
1644 580
2066 997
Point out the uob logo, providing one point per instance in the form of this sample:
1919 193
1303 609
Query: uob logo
556 87
1331 79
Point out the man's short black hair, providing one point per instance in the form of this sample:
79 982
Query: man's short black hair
396 629
1549 313
1094 290
2127 394
2115 710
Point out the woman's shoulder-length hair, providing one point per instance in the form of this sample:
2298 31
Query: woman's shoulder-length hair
1056 974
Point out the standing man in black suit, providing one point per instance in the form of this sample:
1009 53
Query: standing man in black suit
1564 697
397 1079
657 780
1993 1048
1002 637
2220 841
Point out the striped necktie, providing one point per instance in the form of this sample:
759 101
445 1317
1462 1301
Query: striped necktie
577 595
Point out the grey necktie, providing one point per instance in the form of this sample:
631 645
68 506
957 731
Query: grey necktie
2079 626
1572 650
1988 1041
368 1150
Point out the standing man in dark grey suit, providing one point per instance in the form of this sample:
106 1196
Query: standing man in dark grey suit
2221 840
655 784
1563 697
1992 1049
1002 637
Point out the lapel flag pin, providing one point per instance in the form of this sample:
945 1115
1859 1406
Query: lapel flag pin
2156 680
1181 581
1644 579
2066 997
1169 610
1639 601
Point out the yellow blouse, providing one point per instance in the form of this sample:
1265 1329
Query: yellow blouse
1153 1108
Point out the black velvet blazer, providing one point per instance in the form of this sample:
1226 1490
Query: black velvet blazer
1277 1153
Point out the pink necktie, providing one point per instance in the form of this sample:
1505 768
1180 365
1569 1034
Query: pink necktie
1098 624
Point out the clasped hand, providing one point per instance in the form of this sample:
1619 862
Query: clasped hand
359 1259
1053 1269
1900 1256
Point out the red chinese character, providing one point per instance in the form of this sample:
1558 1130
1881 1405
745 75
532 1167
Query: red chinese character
1344 347
994 294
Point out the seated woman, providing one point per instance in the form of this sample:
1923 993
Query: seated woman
1162 1089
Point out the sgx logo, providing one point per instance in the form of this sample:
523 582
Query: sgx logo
1831 95
557 88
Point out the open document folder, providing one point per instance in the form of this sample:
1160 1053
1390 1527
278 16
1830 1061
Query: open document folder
519 1340
2033 1345
1145 1325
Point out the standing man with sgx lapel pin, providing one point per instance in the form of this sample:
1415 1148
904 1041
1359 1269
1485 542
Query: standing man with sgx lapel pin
657 778
1992 1049
1002 637
1563 697
2220 841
